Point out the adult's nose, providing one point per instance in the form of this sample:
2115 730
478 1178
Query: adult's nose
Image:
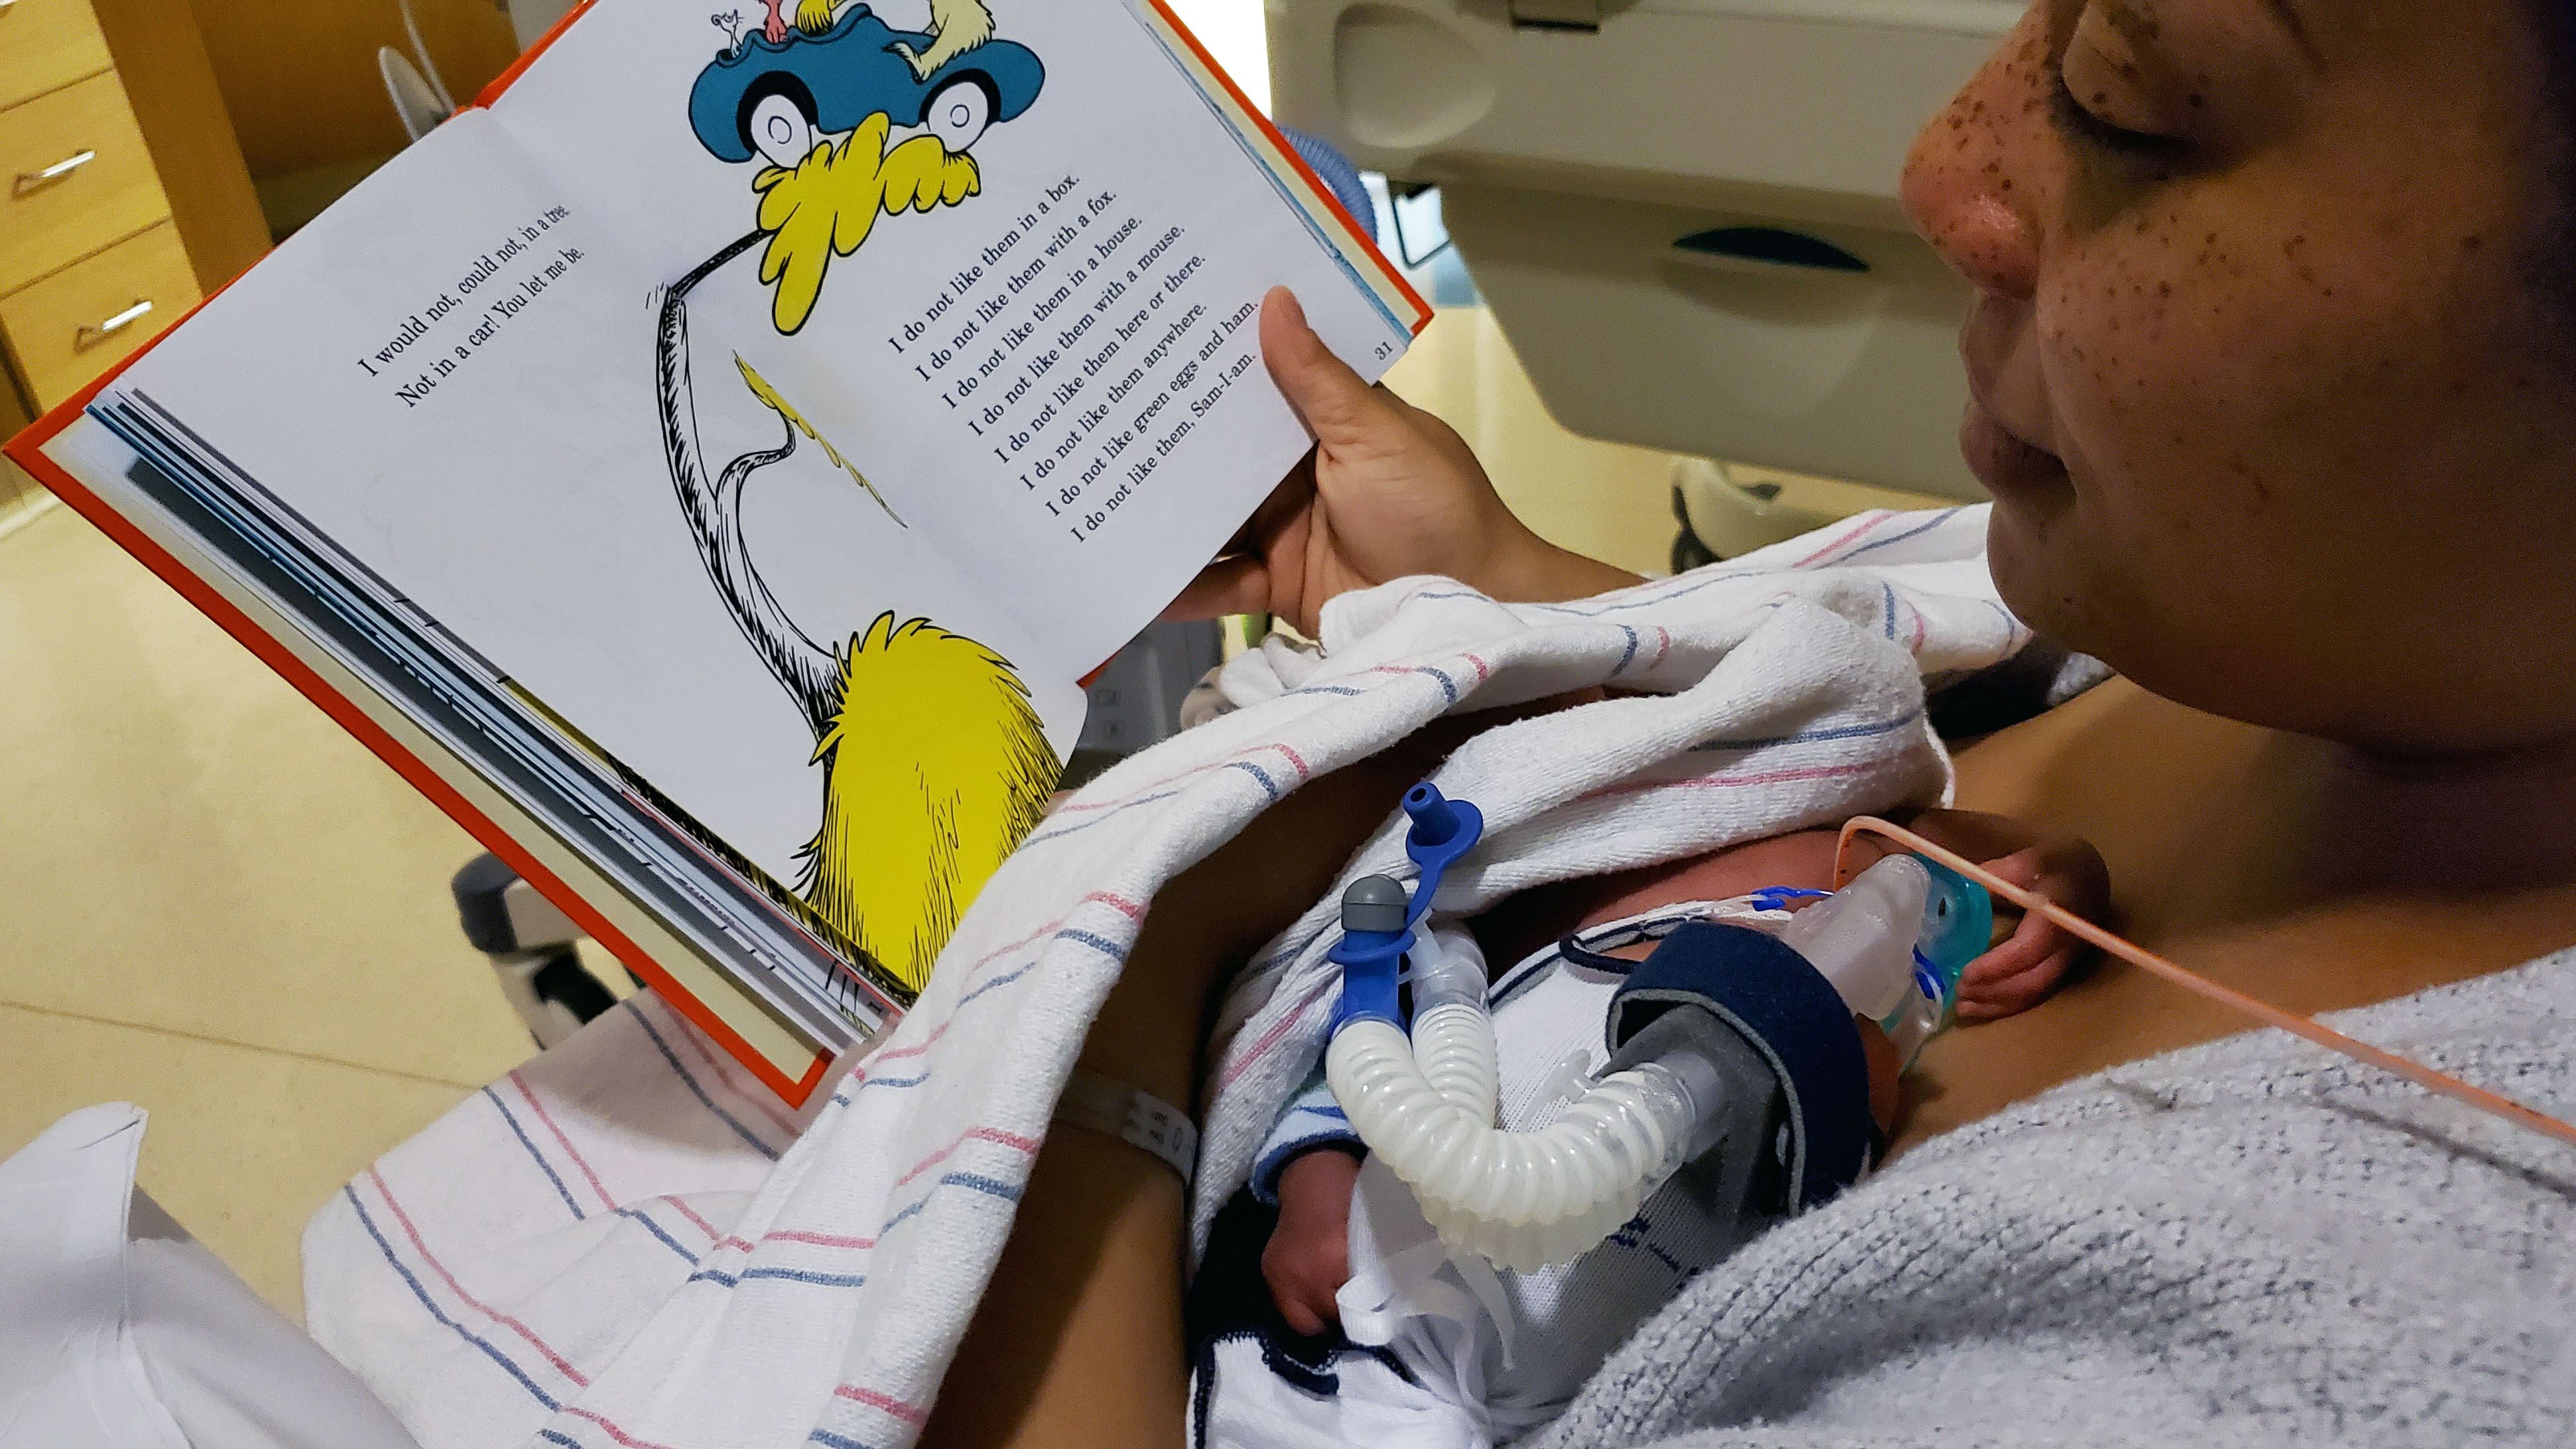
1973 181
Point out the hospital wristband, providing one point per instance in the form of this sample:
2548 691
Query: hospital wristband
1119 1110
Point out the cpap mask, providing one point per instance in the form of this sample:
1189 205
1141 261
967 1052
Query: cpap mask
1735 1041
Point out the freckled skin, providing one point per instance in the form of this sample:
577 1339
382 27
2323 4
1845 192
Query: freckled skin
2293 357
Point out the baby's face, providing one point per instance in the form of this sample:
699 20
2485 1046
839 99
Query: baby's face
1538 918
1541 917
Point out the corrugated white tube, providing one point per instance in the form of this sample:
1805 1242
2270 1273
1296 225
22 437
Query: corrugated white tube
1454 1045
1453 1038
1522 1199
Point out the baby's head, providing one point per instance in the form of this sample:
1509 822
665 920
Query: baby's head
2028 960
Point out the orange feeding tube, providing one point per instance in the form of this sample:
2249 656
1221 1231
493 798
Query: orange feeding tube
2438 1083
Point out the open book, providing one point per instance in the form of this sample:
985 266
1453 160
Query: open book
708 466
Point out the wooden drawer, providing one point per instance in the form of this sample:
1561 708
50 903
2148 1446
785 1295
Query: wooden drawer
55 328
46 44
47 222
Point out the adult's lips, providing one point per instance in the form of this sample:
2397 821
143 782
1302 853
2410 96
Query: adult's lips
2004 382
2002 459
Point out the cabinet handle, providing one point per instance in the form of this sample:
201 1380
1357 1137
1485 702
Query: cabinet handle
93 334
30 180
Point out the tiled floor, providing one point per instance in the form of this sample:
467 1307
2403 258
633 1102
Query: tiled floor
215 904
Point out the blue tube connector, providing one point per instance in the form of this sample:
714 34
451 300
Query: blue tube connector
1375 936
1958 926
1377 916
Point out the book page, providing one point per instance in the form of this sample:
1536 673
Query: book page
673 936
451 376
1003 254
793 404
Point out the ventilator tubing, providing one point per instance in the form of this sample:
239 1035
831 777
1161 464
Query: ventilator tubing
1892 943
1521 1199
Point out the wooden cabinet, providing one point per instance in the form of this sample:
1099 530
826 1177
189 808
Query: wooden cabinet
16 488
79 175
122 192
68 328
48 44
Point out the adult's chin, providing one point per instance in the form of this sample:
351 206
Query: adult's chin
2077 594
2049 579
2022 553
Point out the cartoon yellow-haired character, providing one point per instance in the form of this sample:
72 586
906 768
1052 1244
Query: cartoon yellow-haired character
827 204
934 766
935 762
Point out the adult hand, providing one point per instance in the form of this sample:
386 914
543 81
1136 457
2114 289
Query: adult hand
1389 491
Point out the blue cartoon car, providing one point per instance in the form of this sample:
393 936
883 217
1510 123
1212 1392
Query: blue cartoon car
773 98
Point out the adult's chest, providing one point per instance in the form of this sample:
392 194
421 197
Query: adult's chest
2201 822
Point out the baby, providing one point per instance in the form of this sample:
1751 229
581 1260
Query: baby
1320 1358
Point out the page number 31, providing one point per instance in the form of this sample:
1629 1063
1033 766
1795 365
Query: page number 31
1384 350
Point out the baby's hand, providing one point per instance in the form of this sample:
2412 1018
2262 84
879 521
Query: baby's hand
2027 966
2031 961
1309 1256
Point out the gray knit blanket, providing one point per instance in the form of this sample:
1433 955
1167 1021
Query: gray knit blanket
2248 1242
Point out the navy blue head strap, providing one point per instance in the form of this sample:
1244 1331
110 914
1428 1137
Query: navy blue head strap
1789 1013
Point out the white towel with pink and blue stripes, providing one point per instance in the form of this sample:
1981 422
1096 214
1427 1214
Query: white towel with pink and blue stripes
627 1244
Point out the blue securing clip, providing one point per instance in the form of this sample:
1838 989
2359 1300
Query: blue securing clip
1443 830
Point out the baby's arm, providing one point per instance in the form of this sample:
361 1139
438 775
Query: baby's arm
1306 1168
1309 1255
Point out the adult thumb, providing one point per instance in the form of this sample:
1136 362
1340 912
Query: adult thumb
1336 406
